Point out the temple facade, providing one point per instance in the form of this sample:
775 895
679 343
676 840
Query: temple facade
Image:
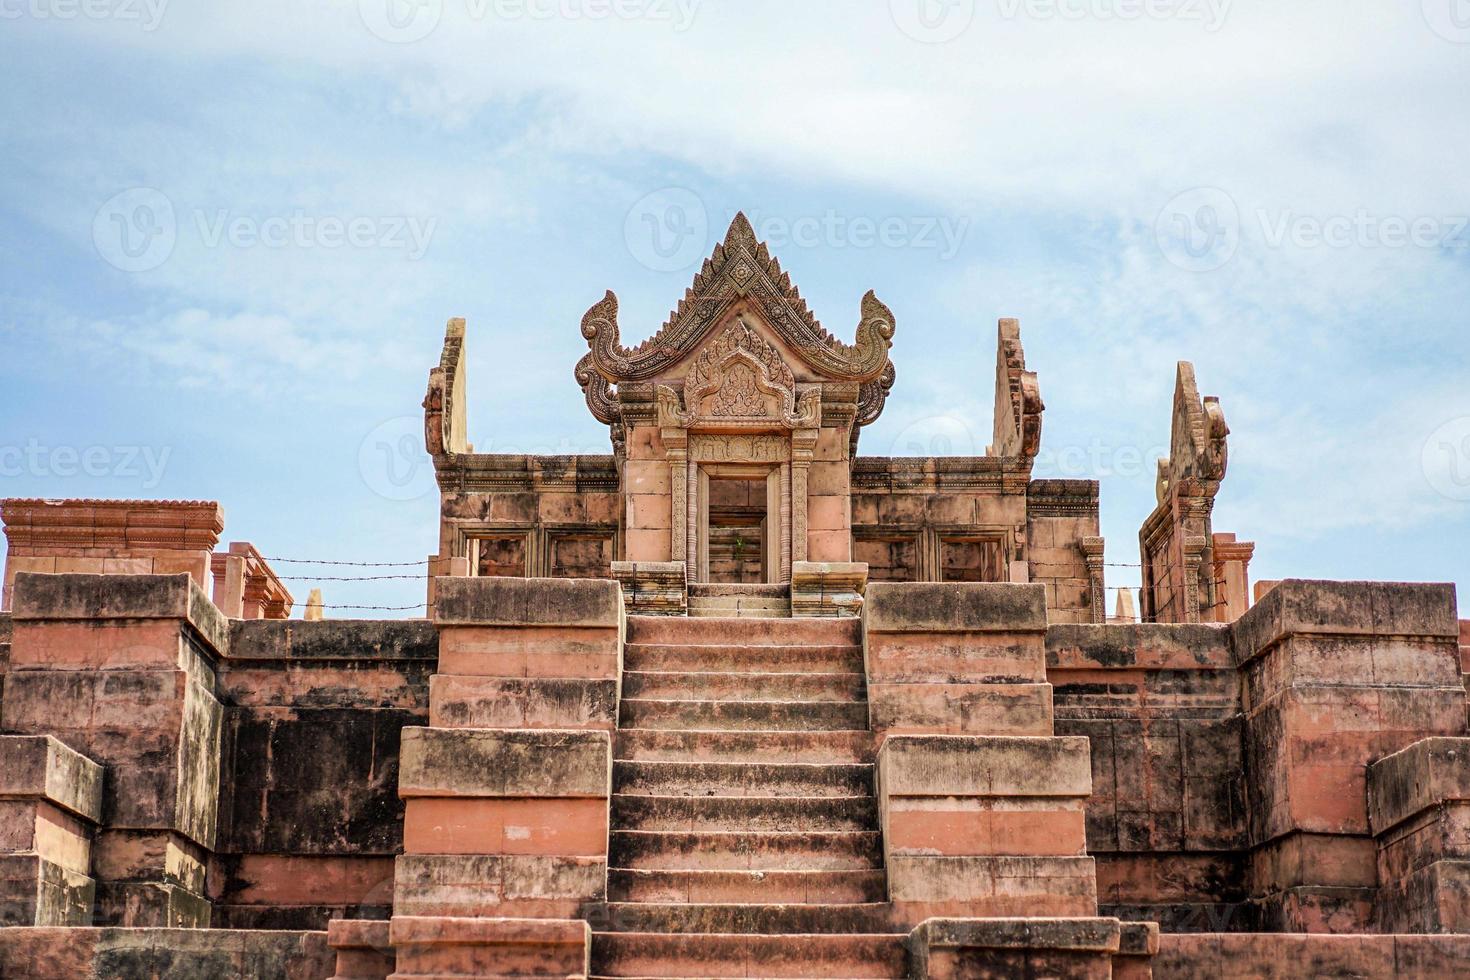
732 700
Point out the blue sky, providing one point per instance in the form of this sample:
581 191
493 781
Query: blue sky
230 236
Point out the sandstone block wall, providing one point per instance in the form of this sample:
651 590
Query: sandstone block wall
1166 820
310 819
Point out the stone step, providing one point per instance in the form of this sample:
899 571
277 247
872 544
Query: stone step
734 657
735 814
743 686
748 779
641 745
705 590
719 851
784 632
744 716
740 887
768 918
632 954
740 608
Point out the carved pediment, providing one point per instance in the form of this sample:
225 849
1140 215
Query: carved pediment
739 381
741 268
1018 404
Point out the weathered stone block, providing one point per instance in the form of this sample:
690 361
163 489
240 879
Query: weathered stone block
104 597
363 949
434 947
968 709
827 588
40 767
1428 773
35 891
478 763
133 954
531 885
653 588
521 602
992 766
497 825
547 703
896 607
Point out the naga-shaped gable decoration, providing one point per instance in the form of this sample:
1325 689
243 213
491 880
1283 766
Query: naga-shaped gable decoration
1198 450
740 268
1018 404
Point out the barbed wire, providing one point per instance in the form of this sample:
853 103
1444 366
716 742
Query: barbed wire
356 564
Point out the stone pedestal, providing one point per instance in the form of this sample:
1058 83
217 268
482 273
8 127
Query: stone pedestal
527 653
828 588
986 826
957 659
50 803
653 588
121 668
1335 675
1419 805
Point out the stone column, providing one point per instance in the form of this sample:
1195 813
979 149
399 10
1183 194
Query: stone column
1097 585
1335 675
50 803
122 669
1232 577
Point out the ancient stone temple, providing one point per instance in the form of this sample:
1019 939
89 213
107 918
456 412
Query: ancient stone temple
732 700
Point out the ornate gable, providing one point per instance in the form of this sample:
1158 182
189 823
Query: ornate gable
1198 449
740 268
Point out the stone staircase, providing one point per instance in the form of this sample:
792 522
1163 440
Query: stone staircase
744 837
